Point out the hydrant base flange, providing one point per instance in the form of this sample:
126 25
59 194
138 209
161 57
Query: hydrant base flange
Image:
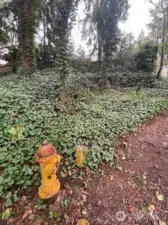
46 192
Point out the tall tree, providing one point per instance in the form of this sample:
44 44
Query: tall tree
21 17
27 23
48 19
158 27
125 51
63 17
155 26
4 23
101 24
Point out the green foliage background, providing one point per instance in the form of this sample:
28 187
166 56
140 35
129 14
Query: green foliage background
146 56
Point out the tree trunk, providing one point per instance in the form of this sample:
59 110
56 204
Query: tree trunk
44 33
163 43
99 36
99 53
27 36
62 45
62 68
26 31
99 49
63 97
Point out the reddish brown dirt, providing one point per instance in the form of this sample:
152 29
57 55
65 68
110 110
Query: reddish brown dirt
119 196
142 164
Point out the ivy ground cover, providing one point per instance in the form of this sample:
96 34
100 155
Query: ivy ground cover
96 120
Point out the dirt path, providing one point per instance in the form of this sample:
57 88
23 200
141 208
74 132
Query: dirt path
114 196
122 196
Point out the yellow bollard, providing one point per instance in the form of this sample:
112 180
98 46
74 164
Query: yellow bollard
82 222
49 161
80 155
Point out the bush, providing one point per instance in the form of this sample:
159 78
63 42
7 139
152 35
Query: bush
146 56
162 84
5 70
93 81
128 79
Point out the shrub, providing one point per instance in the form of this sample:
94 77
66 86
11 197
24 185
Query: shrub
146 56
128 79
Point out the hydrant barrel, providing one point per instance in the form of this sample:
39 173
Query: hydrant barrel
49 161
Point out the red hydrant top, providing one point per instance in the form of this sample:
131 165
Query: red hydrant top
45 149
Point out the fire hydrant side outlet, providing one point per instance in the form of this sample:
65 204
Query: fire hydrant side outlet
49 162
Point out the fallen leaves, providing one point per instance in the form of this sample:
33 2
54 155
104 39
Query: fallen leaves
84 211
84 197
133 209
162 223
165 144
159 196
25 215
123 157
6 214
119 168
151 208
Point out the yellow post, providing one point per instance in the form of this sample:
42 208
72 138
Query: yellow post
49 161
80 155
82 222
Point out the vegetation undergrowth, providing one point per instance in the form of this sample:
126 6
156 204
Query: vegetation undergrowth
31 105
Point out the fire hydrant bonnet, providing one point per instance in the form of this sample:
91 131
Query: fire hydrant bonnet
45 150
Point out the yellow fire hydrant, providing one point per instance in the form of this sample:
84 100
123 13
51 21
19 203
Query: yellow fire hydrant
49 161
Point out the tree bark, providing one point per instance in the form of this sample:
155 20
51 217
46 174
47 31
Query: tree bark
99 48
163 43
27 10
99 36
44 33
61 54
26 31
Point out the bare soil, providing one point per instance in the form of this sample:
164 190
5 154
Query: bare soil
134 192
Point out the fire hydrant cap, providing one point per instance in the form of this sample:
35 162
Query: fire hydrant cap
46 149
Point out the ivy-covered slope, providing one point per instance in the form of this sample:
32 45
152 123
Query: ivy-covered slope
95 121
